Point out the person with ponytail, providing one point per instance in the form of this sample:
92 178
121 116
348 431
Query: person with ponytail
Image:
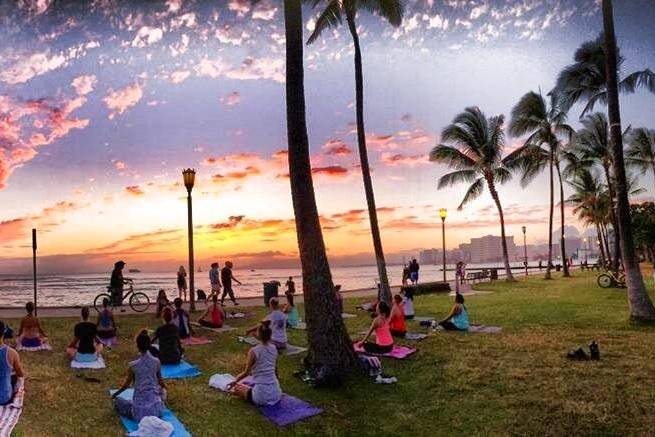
380 326
261 364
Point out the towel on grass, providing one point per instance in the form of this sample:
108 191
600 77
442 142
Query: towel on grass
398 352
43 347
179 371
168 416
415 336
10 413
484 329
224 328
419 319
287 411
97 364
109 342
290 349
195 341
348 316
301 326
236 315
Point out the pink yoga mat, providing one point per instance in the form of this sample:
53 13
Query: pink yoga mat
195 341
399 352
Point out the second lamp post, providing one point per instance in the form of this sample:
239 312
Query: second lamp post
443 213
189 176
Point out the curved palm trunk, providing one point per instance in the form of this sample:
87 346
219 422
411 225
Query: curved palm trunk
601 248
607 245
550 221
613 217
641 307
561 207
494 195
385 290
330 346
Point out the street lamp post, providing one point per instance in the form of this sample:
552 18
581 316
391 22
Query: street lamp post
525 251
586 249
189 176
443 213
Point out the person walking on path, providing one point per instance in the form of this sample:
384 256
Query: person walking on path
181 283
226 278
214 280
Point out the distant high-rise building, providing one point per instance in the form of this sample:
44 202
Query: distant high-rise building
490 249
429 256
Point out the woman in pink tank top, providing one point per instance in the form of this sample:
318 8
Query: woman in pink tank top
380 325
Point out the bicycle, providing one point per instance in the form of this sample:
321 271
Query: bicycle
138 301
610 279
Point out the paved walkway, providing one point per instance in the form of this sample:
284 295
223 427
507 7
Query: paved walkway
16 313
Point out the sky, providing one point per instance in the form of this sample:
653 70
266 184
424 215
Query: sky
103 103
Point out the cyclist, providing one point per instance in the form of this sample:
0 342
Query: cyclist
117 282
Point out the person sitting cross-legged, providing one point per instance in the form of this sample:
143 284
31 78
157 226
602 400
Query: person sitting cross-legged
397 324
278 325
380 325
10 369
261 364
106 325
181 319
85 347
149 388
30 332
458 318
214 317
168 338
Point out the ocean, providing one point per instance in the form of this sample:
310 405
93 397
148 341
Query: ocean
81 289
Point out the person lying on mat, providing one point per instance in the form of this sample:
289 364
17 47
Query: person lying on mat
458 318
149 388
181 319
168 338
261 364
85 347
380 325
278 324
397 324
10 369
106 325
214 317
30 333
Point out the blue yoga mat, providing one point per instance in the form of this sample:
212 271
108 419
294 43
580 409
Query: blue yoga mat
179 370
130 425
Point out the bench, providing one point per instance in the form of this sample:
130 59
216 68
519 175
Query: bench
477 276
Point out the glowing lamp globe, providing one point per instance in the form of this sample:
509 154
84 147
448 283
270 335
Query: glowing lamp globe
443 213
189 176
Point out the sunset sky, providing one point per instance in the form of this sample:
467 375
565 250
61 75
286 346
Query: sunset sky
101 108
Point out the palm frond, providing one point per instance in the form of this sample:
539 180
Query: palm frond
452 157
330 17
638 79
457 177
391 10
473 192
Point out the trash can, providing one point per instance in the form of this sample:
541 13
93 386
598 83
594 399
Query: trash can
494 274
270 290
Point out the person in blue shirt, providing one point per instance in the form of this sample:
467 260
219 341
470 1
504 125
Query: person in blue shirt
10 369
458 318
214 280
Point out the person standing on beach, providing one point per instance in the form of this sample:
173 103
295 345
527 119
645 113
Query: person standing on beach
226 278
413 271
117 282
405 274
181 283
214 280
291 290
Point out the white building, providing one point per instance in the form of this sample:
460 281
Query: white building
490 249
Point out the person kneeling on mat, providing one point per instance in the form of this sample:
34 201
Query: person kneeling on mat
168 338
458 318
85 347
214 316
10 369
380 325
261 364
149 387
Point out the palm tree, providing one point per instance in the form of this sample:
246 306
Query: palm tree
473 148
331 16
330 347
641 307
586 81
592 146
544 124
641 151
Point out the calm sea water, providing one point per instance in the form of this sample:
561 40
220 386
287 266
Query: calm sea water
81 289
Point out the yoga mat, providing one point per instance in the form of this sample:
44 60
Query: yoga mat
236 316
301 326
179 371
287 411
415 336
290 349
131 425
43 347
224 328
10 413
195 341
422 319
398 352
97 364
348 316
485 329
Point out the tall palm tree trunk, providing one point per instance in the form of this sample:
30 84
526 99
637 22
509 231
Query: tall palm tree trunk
561 208
550 220
494 195
330 346
601 248
385 291
641 307
613 217
605 232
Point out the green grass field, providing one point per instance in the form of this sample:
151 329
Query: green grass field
516 382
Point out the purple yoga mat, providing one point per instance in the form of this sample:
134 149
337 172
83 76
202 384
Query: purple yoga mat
288 410
399 352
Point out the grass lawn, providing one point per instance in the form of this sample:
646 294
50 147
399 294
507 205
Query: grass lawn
516 382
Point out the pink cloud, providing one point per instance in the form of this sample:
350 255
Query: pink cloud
400 159
84 84
179 76
119 101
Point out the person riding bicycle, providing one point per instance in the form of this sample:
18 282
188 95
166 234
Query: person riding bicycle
117 282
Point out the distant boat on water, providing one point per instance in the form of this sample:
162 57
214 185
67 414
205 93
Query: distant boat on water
135 271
